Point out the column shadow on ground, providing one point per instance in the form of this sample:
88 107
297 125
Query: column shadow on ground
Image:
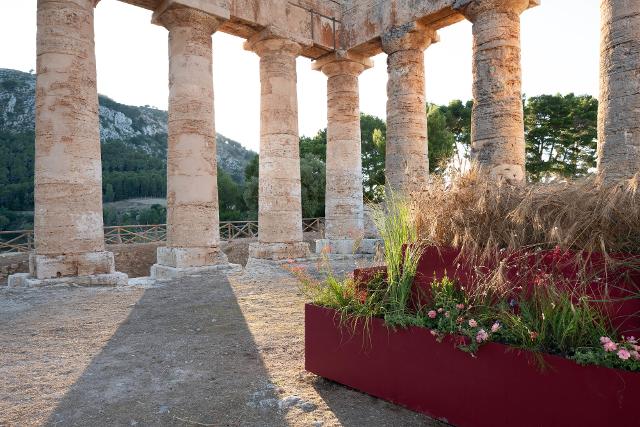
184 356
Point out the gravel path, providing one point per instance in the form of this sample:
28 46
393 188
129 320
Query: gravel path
210 350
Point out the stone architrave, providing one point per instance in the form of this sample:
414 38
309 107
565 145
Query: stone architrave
279 194
619 107
407 158
68 225
193 232
344 204
497 120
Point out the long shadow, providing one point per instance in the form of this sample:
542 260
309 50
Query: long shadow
365 410
184 356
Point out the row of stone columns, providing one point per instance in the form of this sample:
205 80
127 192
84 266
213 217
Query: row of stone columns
68 196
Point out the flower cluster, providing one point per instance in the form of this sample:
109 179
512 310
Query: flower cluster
626 349
623 354
456 319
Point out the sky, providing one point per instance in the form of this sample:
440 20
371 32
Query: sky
560 54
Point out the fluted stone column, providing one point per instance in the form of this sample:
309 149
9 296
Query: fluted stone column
407 159
344 205
619 108
279 194
497 120
68 226
193 234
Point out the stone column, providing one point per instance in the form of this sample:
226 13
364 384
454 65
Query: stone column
619 108
280 209
497 120
193 234
68 226
344 206
407 159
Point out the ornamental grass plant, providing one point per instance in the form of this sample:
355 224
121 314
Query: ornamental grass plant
479 216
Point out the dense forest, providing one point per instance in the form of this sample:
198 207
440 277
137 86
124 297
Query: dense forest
560 134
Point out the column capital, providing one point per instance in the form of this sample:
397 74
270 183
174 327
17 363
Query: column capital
342 62
471 9
271 40
181 16
408 36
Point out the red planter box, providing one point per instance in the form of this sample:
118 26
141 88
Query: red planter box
500 387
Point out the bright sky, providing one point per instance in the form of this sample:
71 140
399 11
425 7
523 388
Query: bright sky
560 45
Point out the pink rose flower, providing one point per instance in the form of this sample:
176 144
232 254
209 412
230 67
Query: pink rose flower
496 327
432 314
624 354
604 340
473 323
635 354
446 314
481 336
632 340
610 346
440 310
460 306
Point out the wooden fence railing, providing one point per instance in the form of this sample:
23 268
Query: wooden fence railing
22 240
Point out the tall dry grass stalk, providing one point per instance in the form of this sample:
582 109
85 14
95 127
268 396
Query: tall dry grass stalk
481 217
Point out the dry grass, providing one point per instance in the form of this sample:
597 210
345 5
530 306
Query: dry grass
481 217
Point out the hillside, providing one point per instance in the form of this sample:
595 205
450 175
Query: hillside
141 128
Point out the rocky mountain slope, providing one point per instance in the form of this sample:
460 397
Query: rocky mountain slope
145 127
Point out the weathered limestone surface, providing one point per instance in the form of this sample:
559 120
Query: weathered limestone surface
193 234
497 123
68 176
309 22
619 108
279 197
344 200
407 160
365 21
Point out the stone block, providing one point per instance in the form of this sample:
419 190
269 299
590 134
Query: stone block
109 279
190 257
71 265
279 251
348 246
163 272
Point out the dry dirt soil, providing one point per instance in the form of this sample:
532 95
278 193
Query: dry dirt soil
200 351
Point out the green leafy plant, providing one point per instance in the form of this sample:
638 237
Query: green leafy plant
402 253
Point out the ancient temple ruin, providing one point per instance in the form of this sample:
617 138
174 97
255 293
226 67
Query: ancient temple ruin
339 36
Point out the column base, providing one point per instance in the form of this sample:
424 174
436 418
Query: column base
348 246
44 267
109 279
279 251
174 263
163 272
190 257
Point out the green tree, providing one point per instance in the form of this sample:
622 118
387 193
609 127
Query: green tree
312 178
458 119
109 195
155 214
561 135
230 201
314 146
442 143
373 132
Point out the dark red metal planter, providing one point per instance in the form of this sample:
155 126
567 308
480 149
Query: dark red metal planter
499 387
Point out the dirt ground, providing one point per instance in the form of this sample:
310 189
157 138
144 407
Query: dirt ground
208 350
